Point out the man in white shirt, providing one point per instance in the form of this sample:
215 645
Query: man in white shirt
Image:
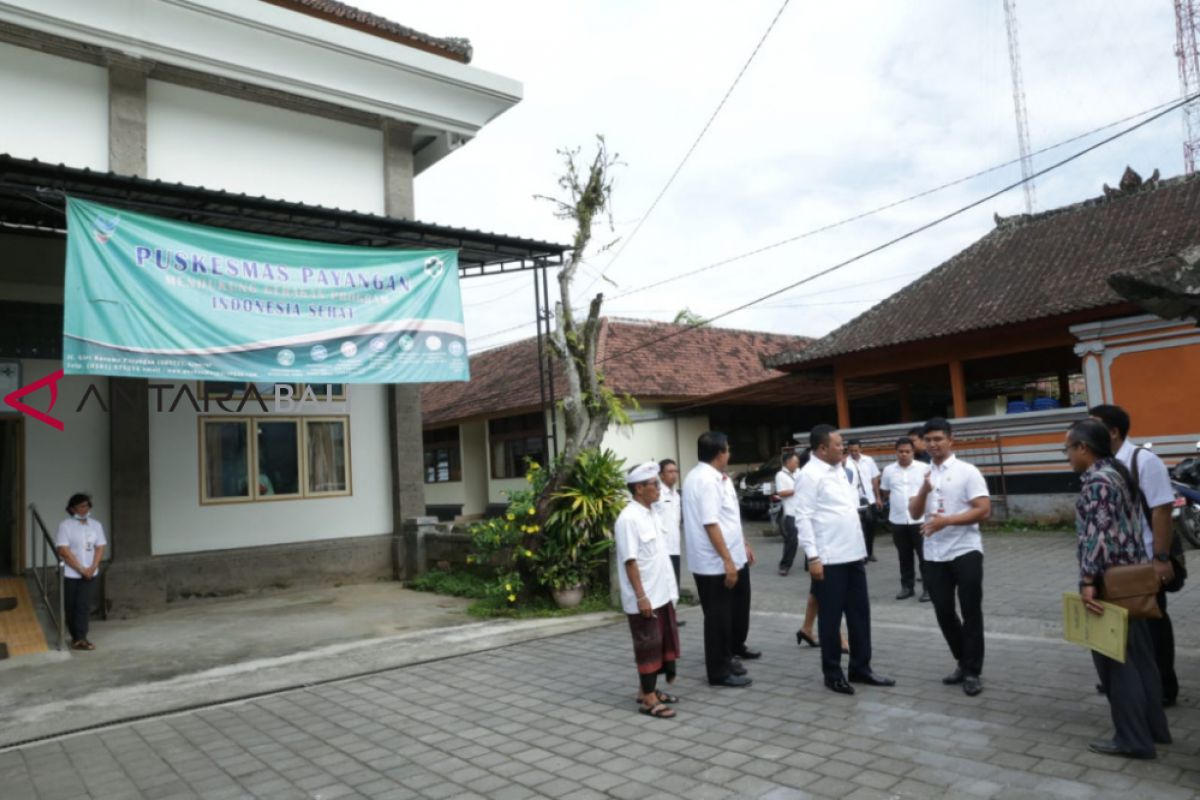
899 482
864 472
828 528
80 544
669 511
785 489
1156 501
953 500
720 559
648 590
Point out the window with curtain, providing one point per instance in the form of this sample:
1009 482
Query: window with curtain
443 459
515 441
278 458
328 465
292 457
225 449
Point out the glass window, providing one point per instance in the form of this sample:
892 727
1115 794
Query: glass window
515 441
278 458
226 460
443 460
327 465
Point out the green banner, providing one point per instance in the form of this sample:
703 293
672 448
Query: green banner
153 298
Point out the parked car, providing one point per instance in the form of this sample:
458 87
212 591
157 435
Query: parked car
754 501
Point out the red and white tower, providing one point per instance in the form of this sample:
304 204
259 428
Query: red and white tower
1187 50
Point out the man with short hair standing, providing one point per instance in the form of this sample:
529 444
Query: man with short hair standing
720 559
864 473
828 527
1155 501
785 489
900 481
648 590
670 514
953 500
914 436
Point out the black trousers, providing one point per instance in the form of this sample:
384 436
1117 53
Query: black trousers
77 606
1162 636
675 566
790 541
843 591
866 515
726 620
1135 693
908 540
963 575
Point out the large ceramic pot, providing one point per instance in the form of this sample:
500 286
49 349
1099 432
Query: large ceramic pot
568 598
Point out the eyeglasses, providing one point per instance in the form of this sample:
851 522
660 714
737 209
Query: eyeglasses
1067 450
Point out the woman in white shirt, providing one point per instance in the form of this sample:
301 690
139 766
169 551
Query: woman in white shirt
80 542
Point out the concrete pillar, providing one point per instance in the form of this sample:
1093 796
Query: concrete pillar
129 402
404 399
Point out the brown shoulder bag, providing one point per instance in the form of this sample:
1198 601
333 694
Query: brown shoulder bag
1133 587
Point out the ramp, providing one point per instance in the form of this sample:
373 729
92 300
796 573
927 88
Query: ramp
20 631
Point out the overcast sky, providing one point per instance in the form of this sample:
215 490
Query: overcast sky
847 107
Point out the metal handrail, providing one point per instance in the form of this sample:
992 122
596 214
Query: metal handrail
45 551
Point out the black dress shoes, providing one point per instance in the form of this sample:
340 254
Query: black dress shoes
680 623
1107 747
924 598
871 679
732 681
736 667
749 655
972 685
954 677
839 685
905 593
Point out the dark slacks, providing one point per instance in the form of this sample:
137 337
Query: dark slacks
1135 693
790 542
964 576
77 606
726 620
843 592
908 540
1162 635
866 515
675 566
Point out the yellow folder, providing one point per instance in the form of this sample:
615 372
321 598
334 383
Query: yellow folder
1106 634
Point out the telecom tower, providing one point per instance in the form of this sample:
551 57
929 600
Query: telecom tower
1014 63
1188 53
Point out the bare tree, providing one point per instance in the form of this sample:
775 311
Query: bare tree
589 406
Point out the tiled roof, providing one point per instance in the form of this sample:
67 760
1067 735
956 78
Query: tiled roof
1169 289
1029 267
351 17
694 363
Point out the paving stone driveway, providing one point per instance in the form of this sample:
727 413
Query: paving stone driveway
555 718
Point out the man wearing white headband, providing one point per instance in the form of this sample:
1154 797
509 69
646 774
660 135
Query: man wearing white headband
648 590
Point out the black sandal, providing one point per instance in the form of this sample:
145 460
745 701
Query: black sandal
664 697
657 710
804 638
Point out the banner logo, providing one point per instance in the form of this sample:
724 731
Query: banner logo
105 226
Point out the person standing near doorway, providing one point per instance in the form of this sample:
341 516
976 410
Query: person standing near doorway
864 474
785 489
900 481
80 543
953 500
669 511
720 559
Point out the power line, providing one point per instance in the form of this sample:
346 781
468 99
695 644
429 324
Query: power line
690 150
857 217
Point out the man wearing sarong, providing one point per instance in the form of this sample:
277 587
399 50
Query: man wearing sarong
648 590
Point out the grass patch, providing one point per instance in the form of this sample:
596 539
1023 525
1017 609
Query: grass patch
455 584
539 607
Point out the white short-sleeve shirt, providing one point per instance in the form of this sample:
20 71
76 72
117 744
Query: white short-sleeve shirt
785 481
670 518
955 484
902 483
1154 482
863 472
709 498
83 537
827 521
639 539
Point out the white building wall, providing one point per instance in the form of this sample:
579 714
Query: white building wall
475 466
648 440
75 459
180 524
220 142
690 429
54 109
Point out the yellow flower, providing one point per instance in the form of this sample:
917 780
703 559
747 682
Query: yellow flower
508 587
532 511
529 554
512 598
529 478
470 559
533 529
511 517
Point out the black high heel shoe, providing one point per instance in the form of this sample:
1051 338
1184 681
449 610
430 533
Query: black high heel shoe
803 638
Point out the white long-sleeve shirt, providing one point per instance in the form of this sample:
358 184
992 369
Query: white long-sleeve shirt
827 523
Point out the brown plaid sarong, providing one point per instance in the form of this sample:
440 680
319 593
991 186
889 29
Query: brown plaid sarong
655 640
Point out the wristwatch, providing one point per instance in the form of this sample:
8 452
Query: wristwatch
1164 557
